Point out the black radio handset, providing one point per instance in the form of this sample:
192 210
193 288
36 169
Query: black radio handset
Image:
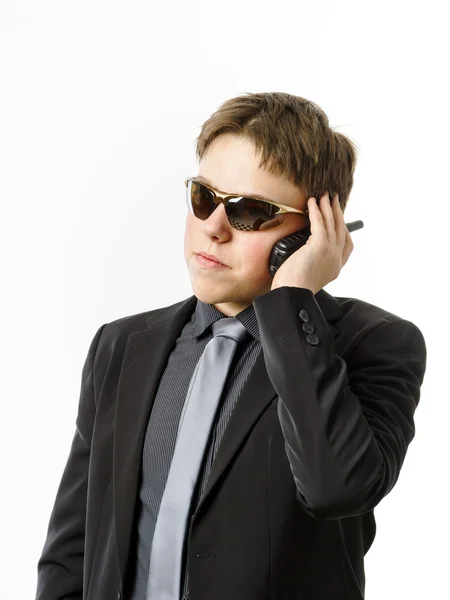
289 244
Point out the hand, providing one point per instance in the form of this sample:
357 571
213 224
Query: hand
328 248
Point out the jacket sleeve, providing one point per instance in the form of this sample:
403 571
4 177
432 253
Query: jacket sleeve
346 424
60 566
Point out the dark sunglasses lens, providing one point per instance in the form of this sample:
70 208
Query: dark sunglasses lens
202 200
245 214
251 214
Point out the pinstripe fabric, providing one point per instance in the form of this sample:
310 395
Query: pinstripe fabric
162 428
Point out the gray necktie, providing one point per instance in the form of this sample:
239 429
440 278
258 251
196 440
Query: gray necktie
200 407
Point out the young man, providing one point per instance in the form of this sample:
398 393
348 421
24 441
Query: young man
244 465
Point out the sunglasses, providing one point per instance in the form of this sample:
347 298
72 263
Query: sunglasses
244 213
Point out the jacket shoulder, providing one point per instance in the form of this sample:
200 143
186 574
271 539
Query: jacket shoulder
367 316
124 326
111 337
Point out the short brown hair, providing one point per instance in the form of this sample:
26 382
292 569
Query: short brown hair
294 138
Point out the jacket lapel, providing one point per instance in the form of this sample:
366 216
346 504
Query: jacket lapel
256 395
145 358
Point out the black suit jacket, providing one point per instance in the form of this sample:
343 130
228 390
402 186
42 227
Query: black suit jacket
316 440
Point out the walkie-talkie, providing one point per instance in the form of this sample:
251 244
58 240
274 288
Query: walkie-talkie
289 244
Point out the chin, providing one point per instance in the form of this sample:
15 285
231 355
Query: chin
212 294
219 292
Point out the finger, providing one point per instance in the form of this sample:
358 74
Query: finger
328 217
348 247
340 226
316 225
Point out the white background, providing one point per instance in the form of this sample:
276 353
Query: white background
100 103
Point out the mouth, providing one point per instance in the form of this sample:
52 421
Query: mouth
213 260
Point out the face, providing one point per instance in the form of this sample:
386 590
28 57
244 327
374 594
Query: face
231 165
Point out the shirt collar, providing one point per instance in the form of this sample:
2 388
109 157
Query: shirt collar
207 314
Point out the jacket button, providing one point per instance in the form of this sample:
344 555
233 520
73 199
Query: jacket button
119 595
312 339
304 315
308 327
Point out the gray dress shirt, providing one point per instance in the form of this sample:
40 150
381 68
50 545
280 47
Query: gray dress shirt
159 443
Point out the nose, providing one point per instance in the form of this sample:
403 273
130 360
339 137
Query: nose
217 223
218 208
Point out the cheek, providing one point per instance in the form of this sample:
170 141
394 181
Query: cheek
256 255
261 243
189 229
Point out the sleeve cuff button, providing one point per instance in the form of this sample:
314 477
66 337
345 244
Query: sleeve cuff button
312 339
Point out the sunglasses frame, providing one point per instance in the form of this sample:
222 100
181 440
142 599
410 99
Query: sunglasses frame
225 198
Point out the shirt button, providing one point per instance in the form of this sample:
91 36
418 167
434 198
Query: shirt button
304 315
312 339
308 327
